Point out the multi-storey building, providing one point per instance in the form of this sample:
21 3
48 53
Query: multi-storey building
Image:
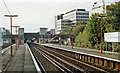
71 18
52 31
5 36
43 32
77 15
62 24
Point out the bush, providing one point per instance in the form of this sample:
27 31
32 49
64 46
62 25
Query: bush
116 49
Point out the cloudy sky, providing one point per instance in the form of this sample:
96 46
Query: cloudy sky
33 14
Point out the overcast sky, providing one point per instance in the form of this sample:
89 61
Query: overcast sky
33 14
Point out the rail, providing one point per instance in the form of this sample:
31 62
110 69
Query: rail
112 64
35 62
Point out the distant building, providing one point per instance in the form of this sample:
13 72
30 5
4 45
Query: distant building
63 21
62 24
14 37
1 39
52 31
30 36
43 31
5 36
21 35
77 15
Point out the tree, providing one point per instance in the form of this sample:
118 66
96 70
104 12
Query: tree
113 17
93 29
68 31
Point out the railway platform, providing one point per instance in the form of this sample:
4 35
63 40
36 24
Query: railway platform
106 62
20 62
107 54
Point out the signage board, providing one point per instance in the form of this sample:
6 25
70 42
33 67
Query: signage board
112 37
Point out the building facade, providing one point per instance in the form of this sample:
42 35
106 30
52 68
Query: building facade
71 18
5 36
43 32
1 39
77 15
52 31
62 24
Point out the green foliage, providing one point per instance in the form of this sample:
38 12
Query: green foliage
90 36
113 17
77 29
68 31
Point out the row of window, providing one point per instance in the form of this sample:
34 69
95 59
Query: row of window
82 16
6 36
82 19
82 13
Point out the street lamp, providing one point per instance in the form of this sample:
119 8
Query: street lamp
53 39
48 38
72 36
101 30
16 34
11 27
103 6
60 38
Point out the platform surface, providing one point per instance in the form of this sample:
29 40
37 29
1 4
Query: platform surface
20 62
113 55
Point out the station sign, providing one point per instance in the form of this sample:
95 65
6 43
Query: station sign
112 37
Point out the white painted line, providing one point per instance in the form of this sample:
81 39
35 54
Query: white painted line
36 65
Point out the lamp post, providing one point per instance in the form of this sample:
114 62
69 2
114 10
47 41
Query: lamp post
101 30
48 38
16 34
18 39
101 34
103 6
60 38
72 37
53 39
11 27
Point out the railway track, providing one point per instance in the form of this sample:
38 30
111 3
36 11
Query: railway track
60 67
65 63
